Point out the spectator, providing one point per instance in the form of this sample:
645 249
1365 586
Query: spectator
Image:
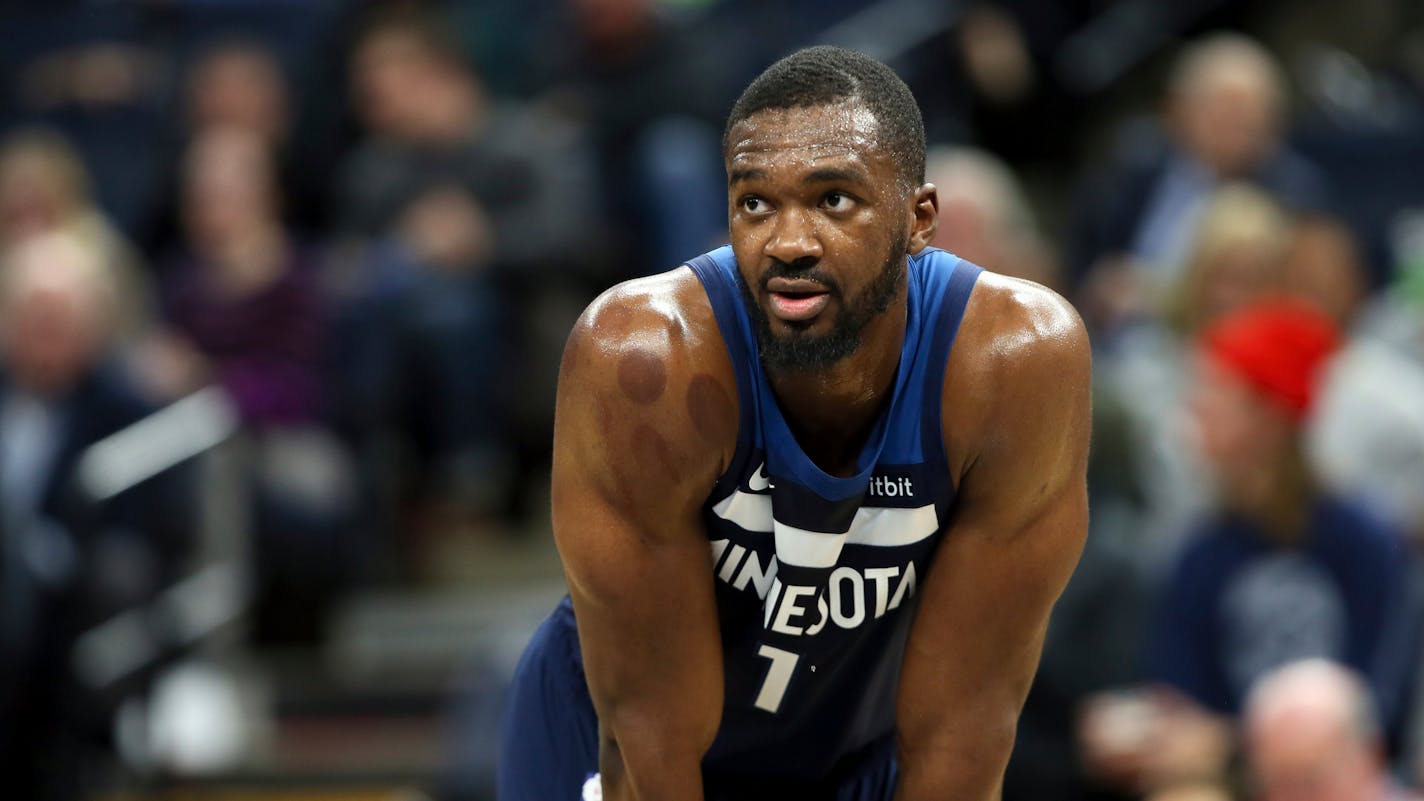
431 126
246 313
1282 571
240 85
1312 733
1193 791
1334 577
421 362
44 188
1135 219
1144 375
984 216
476 218
67 561
102 86
652 94
1367 436
243 296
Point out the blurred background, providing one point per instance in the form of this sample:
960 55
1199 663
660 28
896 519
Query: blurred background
284 283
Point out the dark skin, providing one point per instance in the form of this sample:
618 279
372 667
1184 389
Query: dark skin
647 420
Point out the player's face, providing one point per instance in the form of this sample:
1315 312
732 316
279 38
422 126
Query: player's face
820 224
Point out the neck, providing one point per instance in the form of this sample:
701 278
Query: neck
250 260
1281 503
832 411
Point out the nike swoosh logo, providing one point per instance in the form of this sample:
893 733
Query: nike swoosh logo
758 481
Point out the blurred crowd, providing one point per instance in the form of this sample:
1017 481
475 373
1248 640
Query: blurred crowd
369 225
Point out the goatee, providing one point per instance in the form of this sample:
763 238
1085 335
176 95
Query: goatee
801 351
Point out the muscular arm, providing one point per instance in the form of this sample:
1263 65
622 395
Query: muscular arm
1017 432
645 423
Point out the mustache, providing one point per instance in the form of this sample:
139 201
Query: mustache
799 269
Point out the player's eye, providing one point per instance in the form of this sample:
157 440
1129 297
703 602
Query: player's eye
753 205
836 201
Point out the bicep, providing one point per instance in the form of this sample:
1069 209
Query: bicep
640 578
627 495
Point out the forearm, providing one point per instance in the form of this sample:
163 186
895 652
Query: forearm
964 766
649 767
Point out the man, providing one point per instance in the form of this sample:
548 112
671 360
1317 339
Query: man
858 427
1312 734
67 562
1225 114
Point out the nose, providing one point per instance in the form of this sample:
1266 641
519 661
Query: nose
794 238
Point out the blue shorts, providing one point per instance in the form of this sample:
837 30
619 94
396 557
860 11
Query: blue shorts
549 738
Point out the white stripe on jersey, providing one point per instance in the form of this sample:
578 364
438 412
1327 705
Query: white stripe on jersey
879 526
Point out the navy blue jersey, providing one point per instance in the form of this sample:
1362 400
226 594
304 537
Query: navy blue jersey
817 574
816 581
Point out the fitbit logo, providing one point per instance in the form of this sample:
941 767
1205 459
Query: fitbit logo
891 487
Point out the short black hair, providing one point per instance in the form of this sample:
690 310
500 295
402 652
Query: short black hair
825 75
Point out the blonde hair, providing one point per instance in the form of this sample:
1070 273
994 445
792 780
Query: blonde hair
64 263
79 219
57 160
1237 216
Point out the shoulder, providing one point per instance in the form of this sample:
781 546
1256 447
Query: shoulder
1022 314
1356 530
110 397
664 318
1209 551
649 351
1021 355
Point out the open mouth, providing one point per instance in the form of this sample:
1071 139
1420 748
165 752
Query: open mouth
797 299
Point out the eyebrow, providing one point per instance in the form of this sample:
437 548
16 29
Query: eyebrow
745 174
820 176
832 174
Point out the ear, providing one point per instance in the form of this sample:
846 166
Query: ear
924 217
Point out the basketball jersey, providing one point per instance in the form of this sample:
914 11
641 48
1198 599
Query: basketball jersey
816 575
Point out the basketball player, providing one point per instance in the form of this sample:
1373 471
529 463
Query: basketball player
815 492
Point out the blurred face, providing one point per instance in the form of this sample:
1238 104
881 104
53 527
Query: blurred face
820 226
1235 275
228 186
1229 121
966 230
241 89
32 197
1295 759
608 23
1323 266
392 73
1191 793
1241 436
52 333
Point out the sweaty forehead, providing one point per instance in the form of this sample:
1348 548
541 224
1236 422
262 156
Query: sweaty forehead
839 131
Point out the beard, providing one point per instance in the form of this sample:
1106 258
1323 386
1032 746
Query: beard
799 350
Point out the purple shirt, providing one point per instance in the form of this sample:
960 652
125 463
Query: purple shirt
265 348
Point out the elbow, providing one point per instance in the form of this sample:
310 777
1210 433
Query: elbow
637 760
968 755
638 740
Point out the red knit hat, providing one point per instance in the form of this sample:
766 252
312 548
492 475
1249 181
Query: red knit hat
1278 345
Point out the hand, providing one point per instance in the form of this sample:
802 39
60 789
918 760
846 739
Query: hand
448 229
169 366
1143 739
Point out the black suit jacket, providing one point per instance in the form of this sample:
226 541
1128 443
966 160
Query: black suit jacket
125 550
1114 197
